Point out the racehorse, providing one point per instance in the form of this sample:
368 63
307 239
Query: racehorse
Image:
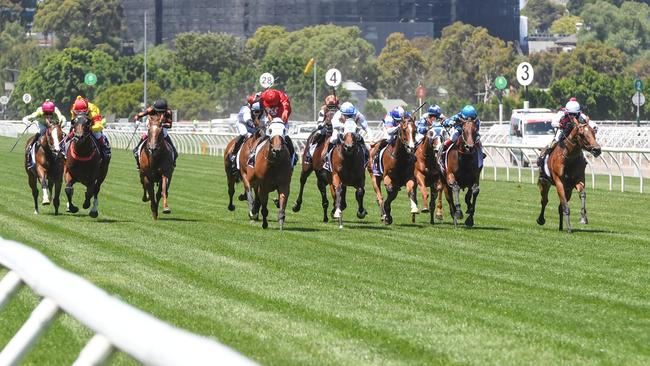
271 171
566 170
427 173
48 165
323 177
348 161
462 171
84 164
156 166
242 159
398 164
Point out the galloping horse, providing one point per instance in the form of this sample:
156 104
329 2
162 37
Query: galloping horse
318 160
242 159
397 162
271 172
427 173
156 166
348 161
566 170
84 164
48 165
462 171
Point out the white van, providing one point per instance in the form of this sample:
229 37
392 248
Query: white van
530 127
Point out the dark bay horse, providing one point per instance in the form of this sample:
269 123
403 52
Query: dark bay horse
156 166
427 173
241 175
323 177
48 168
566 170
398 162
272 172
84 164
348 162
462 172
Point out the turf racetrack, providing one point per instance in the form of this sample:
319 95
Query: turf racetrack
504 292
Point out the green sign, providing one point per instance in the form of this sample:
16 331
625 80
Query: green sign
638 85
90 79
500 82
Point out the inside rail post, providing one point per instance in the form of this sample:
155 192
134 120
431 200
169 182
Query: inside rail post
8 286
96 352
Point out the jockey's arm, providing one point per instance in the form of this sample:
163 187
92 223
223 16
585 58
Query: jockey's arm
29 118
361 120
60 117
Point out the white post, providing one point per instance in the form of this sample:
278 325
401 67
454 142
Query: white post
18 346
500 112
315 106
420 103
96 352
8 286
145 60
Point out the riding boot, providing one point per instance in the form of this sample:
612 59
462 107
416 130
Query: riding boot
232 157
547 150
136 151
169 141
32 151
292 150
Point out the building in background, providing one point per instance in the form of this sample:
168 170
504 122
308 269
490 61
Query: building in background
376 18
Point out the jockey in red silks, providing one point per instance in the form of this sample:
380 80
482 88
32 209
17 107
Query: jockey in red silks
276 105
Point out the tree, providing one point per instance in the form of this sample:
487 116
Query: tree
124 100
597 56
81 24
264 35
401 67
234 86
374 111
626 28
209 52
565 25
542 63
541 14
191 104
593 90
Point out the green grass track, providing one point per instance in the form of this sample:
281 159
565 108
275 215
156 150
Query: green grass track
507 292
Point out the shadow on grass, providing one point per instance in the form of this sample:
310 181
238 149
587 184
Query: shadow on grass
178 219
585 230
301 229
111 220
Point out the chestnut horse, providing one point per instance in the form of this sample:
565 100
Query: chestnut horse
84 164
462 172
348 162
566 170
242 159
156 166
427 173
48 165
398 164
272 171
323 177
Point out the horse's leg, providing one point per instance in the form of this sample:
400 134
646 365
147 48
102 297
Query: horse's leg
31 179
391 194
410 189
283 194
544 187
438 199
153 201
470 200
165 191
563 208
344 203
338 197
583 202
90 190
57 193
432 204
358 194
304 174
231 192
323 195
455 193
333 193
263 197
42 177
419 178
69 192
380 201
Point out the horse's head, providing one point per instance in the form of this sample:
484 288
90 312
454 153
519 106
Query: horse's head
407 133
81 125
54 137
155 135
276 136
584 135
468 134
349 135
434 137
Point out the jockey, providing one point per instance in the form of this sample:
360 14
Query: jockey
331 104
276 104
390 123
467 113
159 107
561 121
433 118
347 111
82 105
248 113
41 115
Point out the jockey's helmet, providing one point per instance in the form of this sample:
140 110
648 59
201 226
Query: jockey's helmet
270 98
435 110
160 105
80 105
469 111
331 101
573 107
48 107
397 113
348 110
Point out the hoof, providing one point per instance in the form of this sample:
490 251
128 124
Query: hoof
438 217
73 209
388 220
254 217
415 211
242 197
584 220
166 210
326 219
276 202
337 214
35 212
93 214
424 210
265 225
86 204
145 198
458 215
154 215
362 214
469 222
45 202
295 208
231 207
541 221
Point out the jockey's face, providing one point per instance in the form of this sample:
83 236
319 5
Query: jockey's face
332 107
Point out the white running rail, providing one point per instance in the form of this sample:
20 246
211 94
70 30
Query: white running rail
117 325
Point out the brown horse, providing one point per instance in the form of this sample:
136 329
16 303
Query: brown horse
566 165
323 177
156 166
398 162
84 164
348 161
427 173
272 171
48 168
462 171
241 174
